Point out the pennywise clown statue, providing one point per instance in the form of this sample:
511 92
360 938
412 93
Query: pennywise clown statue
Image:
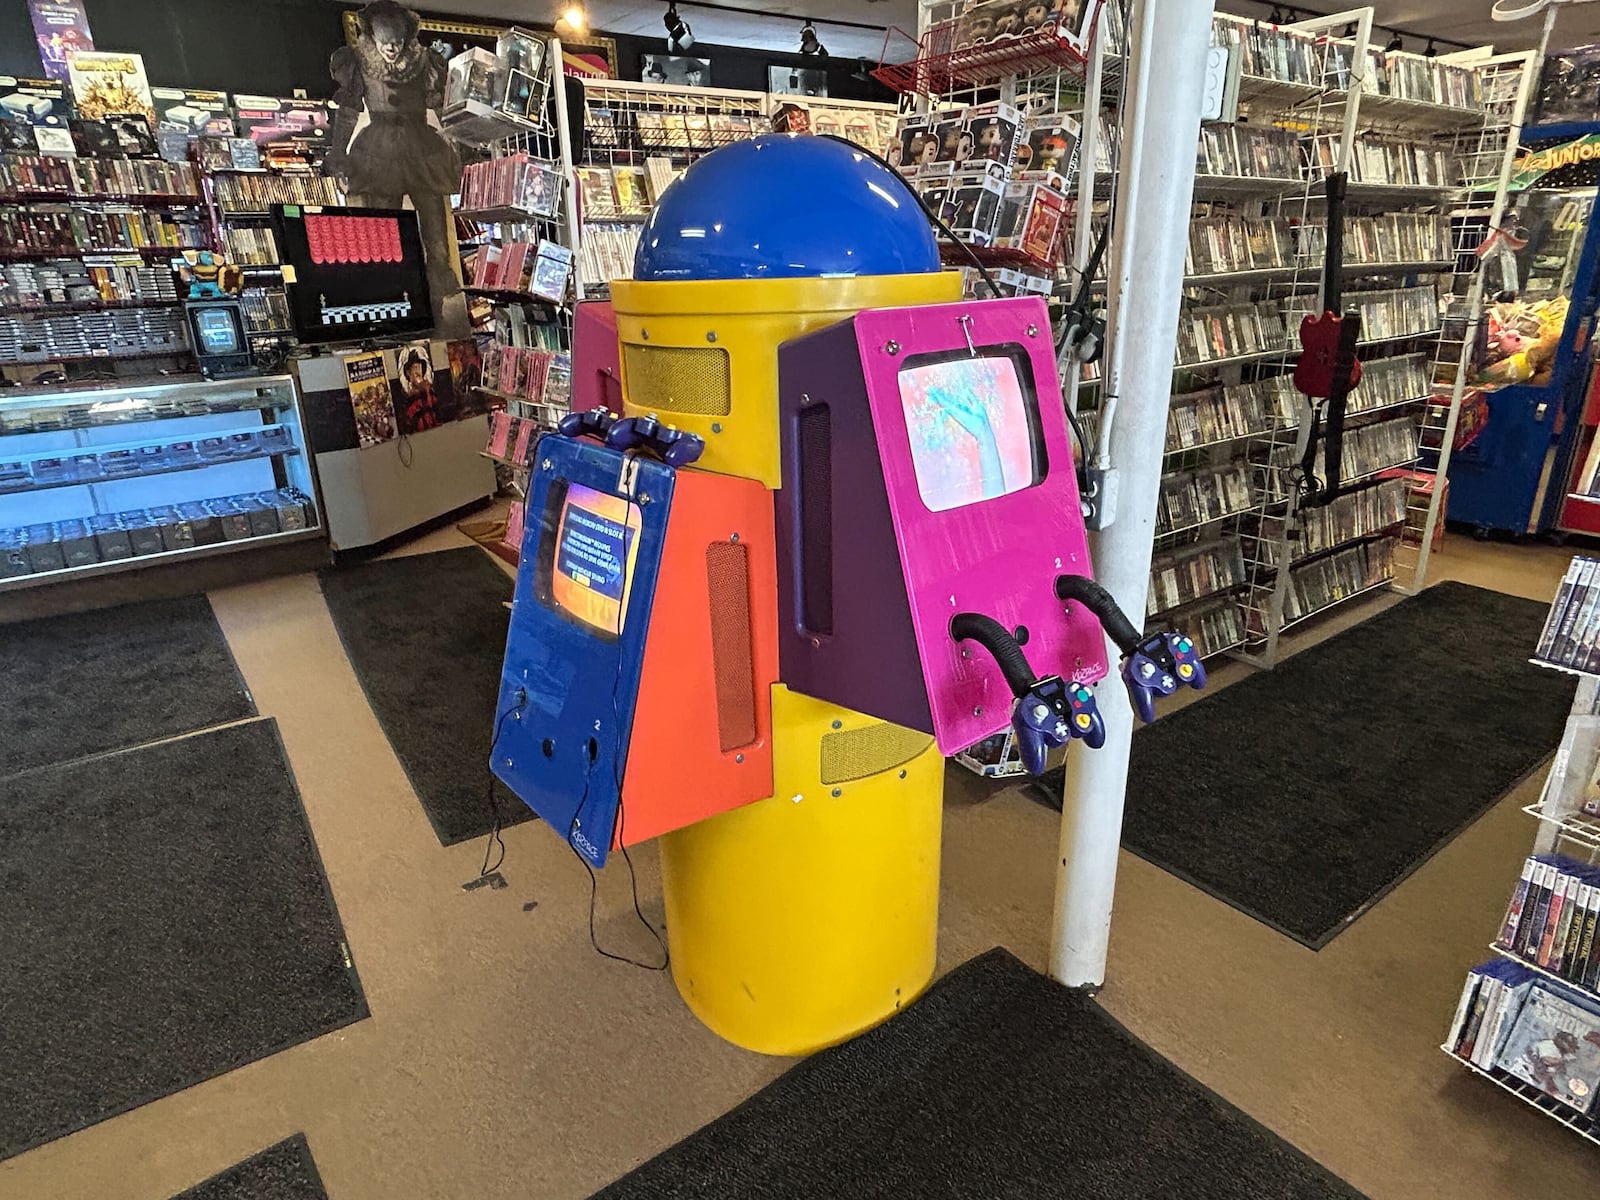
387 145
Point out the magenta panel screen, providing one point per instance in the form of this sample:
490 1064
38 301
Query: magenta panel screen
973 428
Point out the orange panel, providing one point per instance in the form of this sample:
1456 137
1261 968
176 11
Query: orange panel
685 760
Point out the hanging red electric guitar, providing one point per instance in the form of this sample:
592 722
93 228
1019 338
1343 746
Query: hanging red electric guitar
1328 369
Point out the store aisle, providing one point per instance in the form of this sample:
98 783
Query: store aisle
505 1058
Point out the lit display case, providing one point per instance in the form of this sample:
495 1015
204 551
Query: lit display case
114 479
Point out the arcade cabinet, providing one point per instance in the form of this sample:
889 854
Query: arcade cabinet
835 536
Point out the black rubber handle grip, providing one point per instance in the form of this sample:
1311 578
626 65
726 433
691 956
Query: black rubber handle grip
1098 601
998 641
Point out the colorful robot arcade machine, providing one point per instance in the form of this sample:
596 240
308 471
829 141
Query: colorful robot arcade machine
835 536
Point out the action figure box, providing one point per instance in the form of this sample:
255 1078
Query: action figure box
792 118
490 96
911 144
976 198
1049 142
1030 221
994 132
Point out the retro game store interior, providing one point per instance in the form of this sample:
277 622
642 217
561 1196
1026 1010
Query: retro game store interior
913 600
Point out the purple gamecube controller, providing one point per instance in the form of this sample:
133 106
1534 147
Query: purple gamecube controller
675 447
1050 714
595 423
1157 667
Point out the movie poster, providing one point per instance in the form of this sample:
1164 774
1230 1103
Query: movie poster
417 403
105 83
62 27
369 398
466 377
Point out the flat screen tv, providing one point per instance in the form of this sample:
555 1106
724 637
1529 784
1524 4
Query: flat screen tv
352 273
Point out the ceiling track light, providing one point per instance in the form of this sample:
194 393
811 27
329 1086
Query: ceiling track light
810 44
1431 51
1395 43
679 36
1277 16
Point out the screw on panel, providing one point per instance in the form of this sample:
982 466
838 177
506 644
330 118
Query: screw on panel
733 537
546 465
815 643
716 427
837 792
838 724
644 334
643 499
508 762
902 774
711 335
978 712
805 398
797 797
738 758
1033 331
891 347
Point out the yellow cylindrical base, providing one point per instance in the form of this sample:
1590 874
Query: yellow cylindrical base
804 919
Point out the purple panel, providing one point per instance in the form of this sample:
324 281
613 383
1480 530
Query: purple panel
997 556
844 632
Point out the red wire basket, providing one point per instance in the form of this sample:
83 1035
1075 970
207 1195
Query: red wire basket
943 65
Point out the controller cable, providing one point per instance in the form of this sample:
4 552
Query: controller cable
572 829
494 839
1113 620
1001 643
927 210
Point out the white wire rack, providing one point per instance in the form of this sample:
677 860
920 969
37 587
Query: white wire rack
1485 152
1547 1104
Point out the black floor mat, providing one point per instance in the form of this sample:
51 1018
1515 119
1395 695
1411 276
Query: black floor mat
165 919
427 637
282 1172
84 683
997 1084
1303 794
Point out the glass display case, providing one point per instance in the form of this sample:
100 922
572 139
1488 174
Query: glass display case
117 478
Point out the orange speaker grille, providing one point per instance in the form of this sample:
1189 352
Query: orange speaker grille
732 649
678 379
854 754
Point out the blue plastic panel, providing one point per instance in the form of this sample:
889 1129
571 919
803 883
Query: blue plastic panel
596 522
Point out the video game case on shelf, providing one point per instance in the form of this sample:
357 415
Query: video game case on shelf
111 333
1490 1003
258 193
1192 498
1213 625
1571 636
606 252
1342 574
1551 918
1255 152
1358 514
1377 240
88 280
1217 414
1269 51
1380 446
1387 313
1193 573
514 181
67 229
1510 1019
108 537
251 245
91 177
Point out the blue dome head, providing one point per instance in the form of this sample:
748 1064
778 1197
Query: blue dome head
785 206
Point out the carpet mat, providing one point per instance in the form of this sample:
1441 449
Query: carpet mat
282 1172
85 683
427 636
998 1083
166 919
1302 795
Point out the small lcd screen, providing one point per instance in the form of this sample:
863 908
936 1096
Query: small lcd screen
217 331
596 545
973 424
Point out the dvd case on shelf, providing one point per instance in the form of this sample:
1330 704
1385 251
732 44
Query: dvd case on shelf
1184 576
1189 499
1342 574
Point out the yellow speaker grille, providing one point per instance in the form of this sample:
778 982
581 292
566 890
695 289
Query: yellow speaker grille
854 754
678 379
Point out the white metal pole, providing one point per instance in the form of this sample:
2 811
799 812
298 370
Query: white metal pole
569 156
1160 130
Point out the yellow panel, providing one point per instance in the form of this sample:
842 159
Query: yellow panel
671 334
804 919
